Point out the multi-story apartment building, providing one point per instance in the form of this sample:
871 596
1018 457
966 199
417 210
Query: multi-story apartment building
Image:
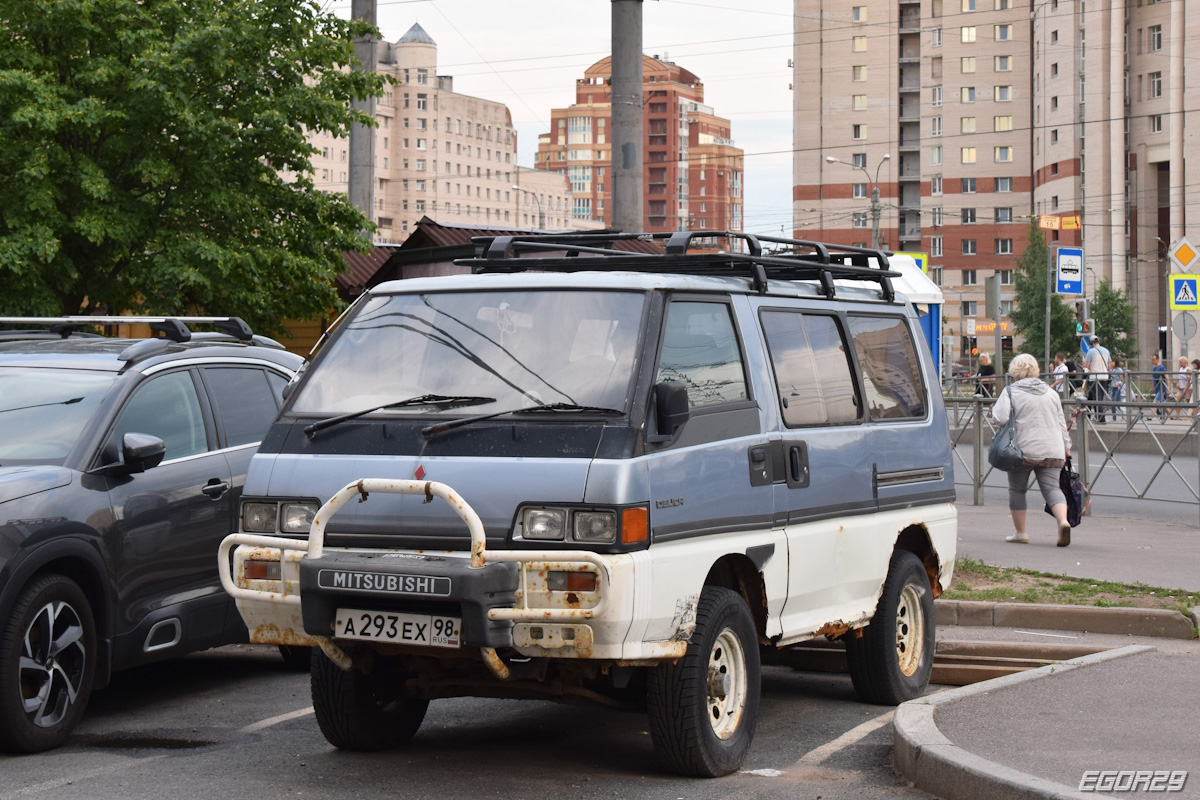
693 171
973 116
440 154
926 102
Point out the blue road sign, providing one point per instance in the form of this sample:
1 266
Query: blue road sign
1069 271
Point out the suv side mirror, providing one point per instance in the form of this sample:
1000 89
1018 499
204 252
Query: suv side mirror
671 407
141 452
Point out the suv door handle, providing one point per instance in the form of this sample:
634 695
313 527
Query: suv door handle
797 477
215 488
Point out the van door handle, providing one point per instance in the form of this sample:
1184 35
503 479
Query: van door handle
798 466
215 488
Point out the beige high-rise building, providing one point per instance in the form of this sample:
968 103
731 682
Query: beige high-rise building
441 154
970 117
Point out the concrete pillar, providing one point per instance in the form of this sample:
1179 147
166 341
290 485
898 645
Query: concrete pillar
627 120
362 137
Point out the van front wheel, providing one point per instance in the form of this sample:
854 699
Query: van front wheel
893 659
364 711
703 708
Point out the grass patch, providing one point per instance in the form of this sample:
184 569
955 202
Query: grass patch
975 580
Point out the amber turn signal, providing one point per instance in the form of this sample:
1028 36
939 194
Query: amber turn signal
635 525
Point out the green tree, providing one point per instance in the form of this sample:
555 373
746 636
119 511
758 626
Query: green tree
1029 307
1113 311
155 157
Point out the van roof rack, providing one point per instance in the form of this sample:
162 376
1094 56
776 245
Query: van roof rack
173 328
800 260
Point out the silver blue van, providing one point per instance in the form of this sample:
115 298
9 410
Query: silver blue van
588 473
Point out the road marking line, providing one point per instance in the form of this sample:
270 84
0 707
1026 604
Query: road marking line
850 737
1055 635
80 778
266 723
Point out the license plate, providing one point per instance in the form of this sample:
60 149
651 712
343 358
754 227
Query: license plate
387 626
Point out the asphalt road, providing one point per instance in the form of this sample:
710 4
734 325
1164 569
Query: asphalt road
232 723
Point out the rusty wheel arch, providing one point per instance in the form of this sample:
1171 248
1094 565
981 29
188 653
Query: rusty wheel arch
737 572
915 539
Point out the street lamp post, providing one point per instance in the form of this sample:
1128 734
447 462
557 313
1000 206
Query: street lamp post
541 215
876 208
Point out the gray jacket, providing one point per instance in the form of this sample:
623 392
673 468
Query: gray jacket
1041 428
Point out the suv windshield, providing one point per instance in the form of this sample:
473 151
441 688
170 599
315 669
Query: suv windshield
519 347
42 411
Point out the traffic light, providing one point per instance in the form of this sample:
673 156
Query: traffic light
1084 324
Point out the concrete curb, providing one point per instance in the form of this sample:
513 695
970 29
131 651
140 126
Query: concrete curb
1159 622
936 765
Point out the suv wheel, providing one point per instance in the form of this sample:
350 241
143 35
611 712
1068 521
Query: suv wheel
702 709
892 661
364 711
47 662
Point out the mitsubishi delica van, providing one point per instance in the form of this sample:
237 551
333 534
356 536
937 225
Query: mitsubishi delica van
585 473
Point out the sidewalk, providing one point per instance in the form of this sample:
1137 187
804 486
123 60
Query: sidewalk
1036 734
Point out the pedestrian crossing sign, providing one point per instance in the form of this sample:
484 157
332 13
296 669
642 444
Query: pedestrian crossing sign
1184 294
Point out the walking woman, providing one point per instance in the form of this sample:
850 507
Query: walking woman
1044 442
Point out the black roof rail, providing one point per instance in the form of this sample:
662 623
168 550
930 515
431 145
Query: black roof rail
800 259
172 327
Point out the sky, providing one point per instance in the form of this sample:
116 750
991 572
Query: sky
528 54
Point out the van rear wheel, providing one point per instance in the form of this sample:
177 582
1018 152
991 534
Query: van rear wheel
364 711
702 710
892 661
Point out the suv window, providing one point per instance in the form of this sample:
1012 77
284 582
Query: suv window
700 350
890 372
165 406
245 402
812 368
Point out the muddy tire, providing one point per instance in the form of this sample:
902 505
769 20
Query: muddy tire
47 665
702 710
893 659
296 658
363 711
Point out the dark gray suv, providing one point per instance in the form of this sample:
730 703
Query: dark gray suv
121 468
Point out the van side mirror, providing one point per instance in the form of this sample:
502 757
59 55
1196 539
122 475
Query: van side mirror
141 452
671 407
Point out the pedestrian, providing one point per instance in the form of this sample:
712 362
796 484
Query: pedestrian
1195 369
1116 387
1159 372
1061 384
1097 366
1183 385
986 376
1044 442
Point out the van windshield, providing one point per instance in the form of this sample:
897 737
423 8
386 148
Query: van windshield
521 348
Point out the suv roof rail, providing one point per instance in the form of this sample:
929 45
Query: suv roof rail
803 259
172 327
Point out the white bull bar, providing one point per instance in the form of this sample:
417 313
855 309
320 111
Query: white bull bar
314 547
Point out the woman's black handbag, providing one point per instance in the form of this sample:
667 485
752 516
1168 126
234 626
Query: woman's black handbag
1072 488
1004 453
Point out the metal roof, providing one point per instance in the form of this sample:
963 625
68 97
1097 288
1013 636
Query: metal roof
416 34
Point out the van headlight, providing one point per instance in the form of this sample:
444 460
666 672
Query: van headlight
585 526
274 516
544 523
594 526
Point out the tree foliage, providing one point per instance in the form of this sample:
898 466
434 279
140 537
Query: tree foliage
1113 311
155 156
1029 306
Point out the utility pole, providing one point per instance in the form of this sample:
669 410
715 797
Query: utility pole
627 115
362 137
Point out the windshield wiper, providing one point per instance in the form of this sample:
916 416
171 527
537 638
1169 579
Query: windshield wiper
423 400
434 430
72 401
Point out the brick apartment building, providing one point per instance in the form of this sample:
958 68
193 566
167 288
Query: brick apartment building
438 154
972 116
693 171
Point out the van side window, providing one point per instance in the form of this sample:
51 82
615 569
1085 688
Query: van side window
812 368
890 372
700 350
